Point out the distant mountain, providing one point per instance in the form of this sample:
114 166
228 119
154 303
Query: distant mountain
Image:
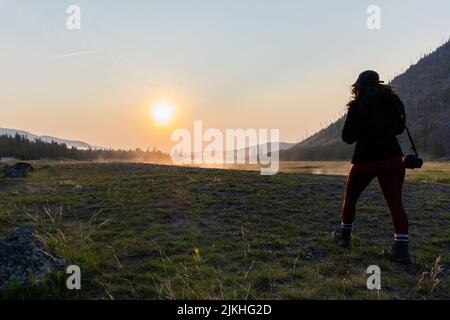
254 151
425 90
281 146
33 137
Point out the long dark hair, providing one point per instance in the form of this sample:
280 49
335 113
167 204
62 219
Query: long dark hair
363 93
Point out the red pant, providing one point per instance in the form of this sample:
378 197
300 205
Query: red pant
391 175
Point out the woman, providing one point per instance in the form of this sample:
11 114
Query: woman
375 117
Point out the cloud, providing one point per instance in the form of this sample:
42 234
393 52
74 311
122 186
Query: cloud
75 54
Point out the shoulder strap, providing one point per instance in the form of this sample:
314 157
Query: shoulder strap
413 145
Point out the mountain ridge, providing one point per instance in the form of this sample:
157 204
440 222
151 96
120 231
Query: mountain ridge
425 90
45 138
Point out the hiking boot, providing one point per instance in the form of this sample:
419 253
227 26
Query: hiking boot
343 238
400 253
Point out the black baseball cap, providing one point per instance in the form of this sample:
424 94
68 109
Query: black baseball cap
368 77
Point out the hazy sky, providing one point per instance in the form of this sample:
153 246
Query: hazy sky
231 63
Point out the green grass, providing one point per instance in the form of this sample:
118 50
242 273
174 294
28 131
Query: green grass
155 232
432 171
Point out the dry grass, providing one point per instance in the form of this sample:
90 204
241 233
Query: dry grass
154 232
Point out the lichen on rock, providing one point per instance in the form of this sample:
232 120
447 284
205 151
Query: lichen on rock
25 258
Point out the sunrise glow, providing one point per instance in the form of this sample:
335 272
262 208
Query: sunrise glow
163 112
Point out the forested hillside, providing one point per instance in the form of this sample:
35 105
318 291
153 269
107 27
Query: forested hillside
425 90
22 148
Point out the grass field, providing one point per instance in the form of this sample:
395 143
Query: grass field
156 232
431 171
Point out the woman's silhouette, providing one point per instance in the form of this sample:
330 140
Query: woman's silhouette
375 117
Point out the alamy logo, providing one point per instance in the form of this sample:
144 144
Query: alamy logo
374 19
74 280
74 19
236 146
374 280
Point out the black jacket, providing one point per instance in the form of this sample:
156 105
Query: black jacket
373 123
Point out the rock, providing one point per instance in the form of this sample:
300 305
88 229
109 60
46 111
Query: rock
25 256
19 170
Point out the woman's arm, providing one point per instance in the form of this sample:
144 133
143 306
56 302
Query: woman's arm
401 116
351 128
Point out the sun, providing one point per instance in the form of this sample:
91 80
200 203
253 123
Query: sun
163 112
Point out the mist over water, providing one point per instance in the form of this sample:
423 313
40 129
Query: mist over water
313 167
